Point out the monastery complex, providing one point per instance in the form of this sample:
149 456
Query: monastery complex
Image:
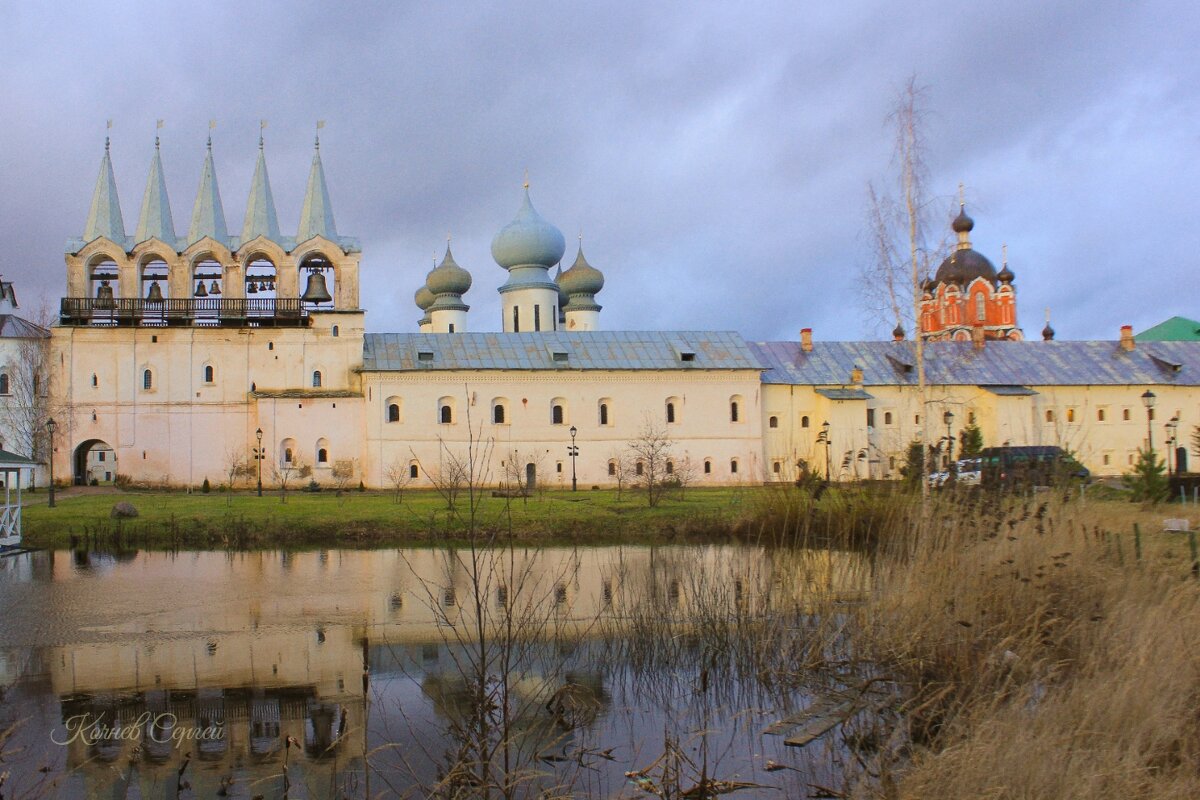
180 355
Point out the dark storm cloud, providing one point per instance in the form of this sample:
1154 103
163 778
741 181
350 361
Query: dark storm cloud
714 155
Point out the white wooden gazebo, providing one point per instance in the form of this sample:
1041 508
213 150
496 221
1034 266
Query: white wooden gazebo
10 514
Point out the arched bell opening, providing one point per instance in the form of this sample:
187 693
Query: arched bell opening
103 285
320 282
207 290
261 290
154 289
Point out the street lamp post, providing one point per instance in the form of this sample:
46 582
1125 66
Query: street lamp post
1171 427
51 427
573 451
1148 398
948 418
828 458
258 456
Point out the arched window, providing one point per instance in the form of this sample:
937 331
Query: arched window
640 468
335 331
209 374
558 411
4 388
733 410
612 467
603 412
498 414
670 412
887 418
980 311
446 414
776 467
1049 415
773 422
1124 412
412 470
96 382
733 465
147 380
317 379
287 455
322 455
708 466
670 467
804 422
393 412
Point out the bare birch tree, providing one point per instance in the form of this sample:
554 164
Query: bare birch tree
903 254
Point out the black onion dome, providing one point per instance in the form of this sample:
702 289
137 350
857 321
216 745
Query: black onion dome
1047 332
898 332
964 266
962 223
1006 275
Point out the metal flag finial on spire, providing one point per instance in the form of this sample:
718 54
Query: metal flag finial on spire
317 141
212 124
108 127
262 123
157 127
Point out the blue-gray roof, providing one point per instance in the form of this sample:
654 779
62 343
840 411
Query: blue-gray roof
998 364
620 350
845 394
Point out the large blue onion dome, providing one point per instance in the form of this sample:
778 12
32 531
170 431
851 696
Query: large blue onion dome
528 240
582 277
448 277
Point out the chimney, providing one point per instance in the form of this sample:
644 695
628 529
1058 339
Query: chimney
806 339
1127 338
856 375
977 337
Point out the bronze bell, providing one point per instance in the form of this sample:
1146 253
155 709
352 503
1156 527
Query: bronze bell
155 293
316 291
214 289
271 284
251 287
200 290
104 295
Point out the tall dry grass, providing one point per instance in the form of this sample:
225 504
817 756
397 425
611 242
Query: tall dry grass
1039 658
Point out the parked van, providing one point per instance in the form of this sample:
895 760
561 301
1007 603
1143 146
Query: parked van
1040 465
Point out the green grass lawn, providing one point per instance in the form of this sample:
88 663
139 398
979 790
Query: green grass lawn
167 518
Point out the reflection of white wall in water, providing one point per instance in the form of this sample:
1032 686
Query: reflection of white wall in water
308 613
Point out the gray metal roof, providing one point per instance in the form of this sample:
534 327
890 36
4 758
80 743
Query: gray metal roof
621 350
998 364
13 327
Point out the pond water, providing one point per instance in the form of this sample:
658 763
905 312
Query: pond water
368 673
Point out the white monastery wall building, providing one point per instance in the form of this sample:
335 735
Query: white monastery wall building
174 350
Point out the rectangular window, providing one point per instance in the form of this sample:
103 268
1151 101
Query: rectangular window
870 418
537 317
516 320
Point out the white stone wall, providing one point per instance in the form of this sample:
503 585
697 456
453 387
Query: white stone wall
703 428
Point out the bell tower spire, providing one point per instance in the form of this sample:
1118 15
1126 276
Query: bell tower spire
316 217
260 208
155 221
208 217
104 216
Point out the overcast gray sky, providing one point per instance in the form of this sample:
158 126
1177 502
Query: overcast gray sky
714 154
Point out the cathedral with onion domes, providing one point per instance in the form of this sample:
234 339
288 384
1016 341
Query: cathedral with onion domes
241 355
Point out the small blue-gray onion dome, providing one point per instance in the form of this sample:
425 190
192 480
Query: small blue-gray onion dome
528 240
582 277
423 298
448 277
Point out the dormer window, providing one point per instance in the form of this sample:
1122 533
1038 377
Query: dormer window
560 356
687 356
425 355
